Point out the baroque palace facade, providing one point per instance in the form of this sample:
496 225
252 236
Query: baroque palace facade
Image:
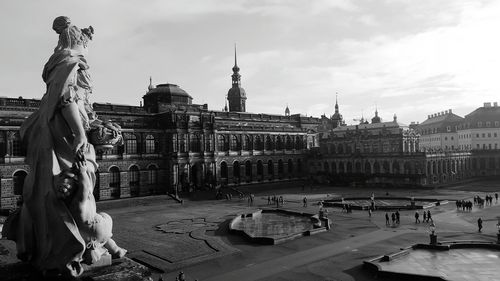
171 144
370 153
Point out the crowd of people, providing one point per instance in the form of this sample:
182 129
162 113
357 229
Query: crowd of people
279 201
464 205
395 219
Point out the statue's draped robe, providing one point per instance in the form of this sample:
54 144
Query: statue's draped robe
44 230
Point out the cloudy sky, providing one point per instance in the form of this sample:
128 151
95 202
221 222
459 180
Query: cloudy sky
410 58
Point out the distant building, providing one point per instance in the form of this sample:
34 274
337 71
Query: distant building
480 134
480 129
440 132
380 152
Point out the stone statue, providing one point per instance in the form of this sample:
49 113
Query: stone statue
57 227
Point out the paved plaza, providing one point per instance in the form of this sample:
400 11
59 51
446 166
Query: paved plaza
193 237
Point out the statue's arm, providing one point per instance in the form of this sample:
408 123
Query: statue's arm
83 192
71 114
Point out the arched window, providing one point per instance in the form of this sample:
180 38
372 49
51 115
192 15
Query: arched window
195 145
368 168
299 142
114 181
235 143
223 170
247 143
395 167
248 170
134 180
150 144
299 166
18 179
222 143
349 167
279 143
357 167
290 166
236 170
386 167
260 169
289 143
281 168
376 168
270 168
152 175
258 143
341 168
131 144
269 143
17 146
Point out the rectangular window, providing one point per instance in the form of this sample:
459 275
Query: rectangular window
479 124
489 135
488 124
448 129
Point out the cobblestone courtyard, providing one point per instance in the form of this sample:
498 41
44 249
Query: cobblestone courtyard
193 237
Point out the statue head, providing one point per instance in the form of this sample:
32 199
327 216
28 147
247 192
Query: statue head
70 36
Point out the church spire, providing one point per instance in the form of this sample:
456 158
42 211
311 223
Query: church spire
150 87
336 104
236 96
236 77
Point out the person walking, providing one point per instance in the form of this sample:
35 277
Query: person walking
496 198
393 217
387 219
369 212
305 201
424 216
479 224
417 220
429 216
397 216
269 200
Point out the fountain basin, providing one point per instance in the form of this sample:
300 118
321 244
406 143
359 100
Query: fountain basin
452 260
274 226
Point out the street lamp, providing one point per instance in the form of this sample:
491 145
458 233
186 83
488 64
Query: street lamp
433 236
